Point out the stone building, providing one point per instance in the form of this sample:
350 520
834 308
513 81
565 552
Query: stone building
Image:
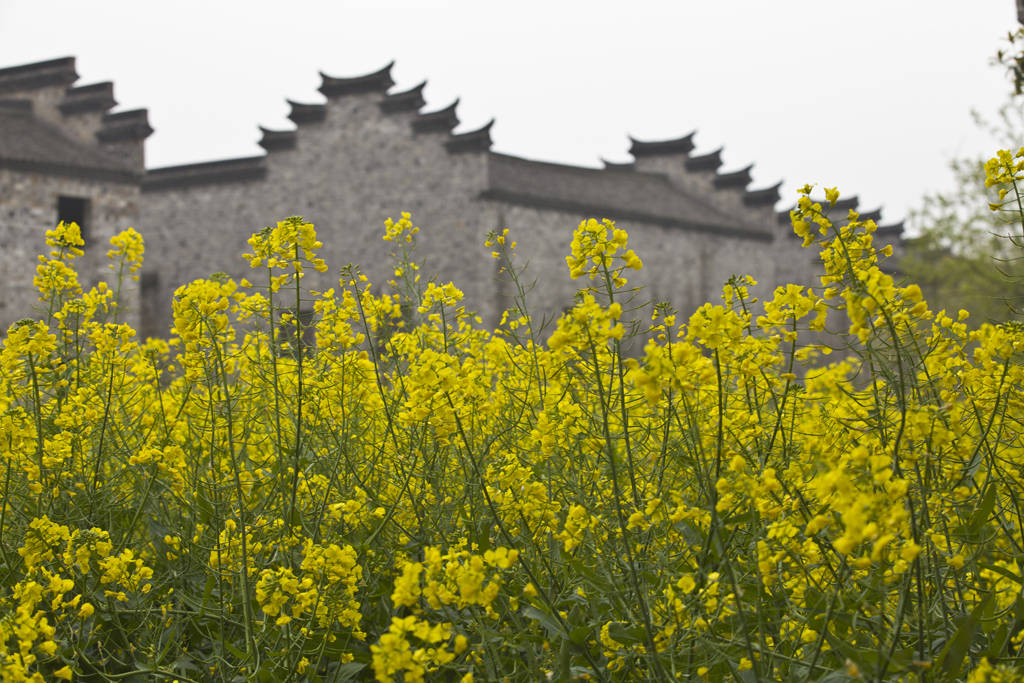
365 154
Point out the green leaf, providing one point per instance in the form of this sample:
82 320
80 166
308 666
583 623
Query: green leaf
545 619
981 514
348 671
997 641
579 634
951 659
627 635
1004 571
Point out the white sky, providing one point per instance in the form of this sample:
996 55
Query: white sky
873 96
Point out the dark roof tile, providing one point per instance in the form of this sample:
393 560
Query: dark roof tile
873 215
407 100
132 124
740 178
619 165
28 143
642 148
611 194
766 196
378 81
38 75
478 140
435 121
206 173
306 113
711 161
277 139
94 97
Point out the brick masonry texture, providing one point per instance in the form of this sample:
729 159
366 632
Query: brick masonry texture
365 155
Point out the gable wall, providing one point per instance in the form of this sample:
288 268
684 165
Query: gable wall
346 175
28 208
359 165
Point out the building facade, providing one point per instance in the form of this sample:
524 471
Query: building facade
365 154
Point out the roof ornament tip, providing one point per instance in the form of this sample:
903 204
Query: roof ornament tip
377 81
680 145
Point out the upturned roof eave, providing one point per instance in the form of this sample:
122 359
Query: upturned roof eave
644 148
378 81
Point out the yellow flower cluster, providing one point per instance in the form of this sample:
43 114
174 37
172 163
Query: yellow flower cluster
288 245
588 325
594 247
394 653
414 496
457 578
47 607
127 251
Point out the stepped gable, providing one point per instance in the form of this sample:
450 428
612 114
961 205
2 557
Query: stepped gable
29 144
478 140
378 81
38 75
651 148
735 179
648 197
273 140
711 161
891 230
306 113
88 98
840 211
873 215
206 173
407 100
442 120
125 125
844 204
766 196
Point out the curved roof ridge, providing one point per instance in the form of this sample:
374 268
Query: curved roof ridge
303 112
379 80
85 98
273 140
891 229
132 124
406 100
711 161
740 178
239 169
30 143
478 140
60 71
440 120
843 204
681 145
764 196
618 165
621 195
872 215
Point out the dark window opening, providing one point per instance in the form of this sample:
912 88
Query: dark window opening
149 305
149 281
74 210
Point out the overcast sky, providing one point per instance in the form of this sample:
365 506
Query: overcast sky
873 96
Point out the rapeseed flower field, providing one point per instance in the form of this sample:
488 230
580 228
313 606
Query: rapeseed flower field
416 497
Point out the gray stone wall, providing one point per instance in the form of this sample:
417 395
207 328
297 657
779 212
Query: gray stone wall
28 208
358 166
346 174
366 156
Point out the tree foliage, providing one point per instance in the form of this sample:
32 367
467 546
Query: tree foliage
967 253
